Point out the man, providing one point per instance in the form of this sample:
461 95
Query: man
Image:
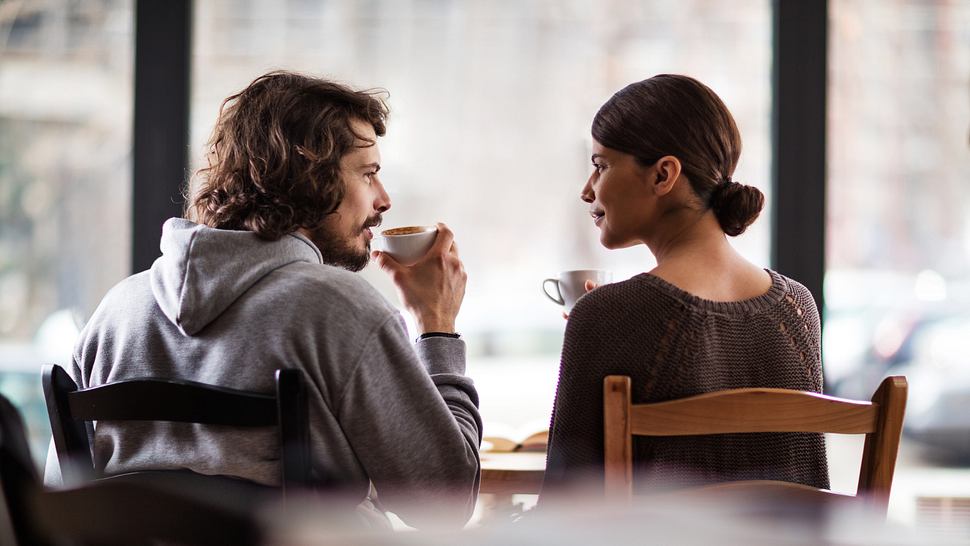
264 280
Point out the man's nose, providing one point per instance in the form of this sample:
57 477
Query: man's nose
383 201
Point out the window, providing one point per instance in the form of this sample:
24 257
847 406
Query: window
898 207
898 228
65 116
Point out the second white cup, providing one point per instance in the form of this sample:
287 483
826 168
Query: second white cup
571 285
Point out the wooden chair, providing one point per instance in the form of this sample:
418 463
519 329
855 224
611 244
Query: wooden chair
110 512
758 410
70 410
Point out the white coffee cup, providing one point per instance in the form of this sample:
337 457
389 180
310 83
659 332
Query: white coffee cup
571 285
406 244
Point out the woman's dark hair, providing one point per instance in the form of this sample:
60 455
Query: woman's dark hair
679 116
274 154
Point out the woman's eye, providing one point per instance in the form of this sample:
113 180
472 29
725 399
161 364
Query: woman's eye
598 168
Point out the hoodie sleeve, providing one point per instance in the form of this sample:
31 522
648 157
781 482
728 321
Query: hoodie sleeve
412 418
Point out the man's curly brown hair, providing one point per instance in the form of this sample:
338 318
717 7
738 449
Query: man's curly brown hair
274 154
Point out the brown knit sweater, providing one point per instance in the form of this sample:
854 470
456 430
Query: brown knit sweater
673 344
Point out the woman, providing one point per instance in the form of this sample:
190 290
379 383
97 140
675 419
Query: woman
704 319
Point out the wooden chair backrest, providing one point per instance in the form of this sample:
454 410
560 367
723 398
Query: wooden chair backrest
756 410
71 410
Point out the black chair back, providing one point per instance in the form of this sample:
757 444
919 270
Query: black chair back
18 480
151 509
72 410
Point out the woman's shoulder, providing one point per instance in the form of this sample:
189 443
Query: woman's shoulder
639 293
796 293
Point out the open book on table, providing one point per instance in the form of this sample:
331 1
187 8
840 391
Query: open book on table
504 438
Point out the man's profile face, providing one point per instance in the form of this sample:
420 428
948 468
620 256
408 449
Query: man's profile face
344 237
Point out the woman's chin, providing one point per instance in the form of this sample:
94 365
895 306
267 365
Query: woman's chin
613 243
609 242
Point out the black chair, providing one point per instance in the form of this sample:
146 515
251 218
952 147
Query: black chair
18 480
111 512
71 410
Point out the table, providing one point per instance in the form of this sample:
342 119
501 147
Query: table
508 473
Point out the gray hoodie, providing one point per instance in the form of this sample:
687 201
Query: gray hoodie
226 308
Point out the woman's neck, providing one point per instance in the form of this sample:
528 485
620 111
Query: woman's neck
689 234
694 255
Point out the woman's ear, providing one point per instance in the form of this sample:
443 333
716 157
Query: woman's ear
667 174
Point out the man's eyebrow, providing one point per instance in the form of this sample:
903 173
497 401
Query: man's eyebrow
376 166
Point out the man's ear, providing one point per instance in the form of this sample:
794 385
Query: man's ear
666 174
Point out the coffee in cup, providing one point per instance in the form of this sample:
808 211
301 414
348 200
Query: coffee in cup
406 244
407 230
571 285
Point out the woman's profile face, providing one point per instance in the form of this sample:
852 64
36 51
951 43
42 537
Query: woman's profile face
620 197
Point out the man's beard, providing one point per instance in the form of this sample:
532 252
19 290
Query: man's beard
339 251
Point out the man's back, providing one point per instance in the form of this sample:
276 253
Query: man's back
226 308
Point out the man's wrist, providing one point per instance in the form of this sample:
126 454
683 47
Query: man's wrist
425 326
426 335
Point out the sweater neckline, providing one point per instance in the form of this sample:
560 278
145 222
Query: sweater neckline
756 304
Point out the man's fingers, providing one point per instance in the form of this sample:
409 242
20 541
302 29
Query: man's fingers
444 240
385 261
590 285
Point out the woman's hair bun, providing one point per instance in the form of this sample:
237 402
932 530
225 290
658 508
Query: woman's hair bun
736 205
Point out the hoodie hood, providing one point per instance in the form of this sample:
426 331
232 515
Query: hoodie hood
202 270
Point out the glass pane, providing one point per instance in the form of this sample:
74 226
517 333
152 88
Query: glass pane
491 104
65 117
897 289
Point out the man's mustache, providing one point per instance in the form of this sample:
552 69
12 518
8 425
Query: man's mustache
373 222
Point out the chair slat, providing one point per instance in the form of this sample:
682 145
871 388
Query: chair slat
187 402
754 410
180 401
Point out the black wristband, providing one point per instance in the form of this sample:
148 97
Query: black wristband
426 335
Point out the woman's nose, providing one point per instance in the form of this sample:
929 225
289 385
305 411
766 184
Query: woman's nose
587 194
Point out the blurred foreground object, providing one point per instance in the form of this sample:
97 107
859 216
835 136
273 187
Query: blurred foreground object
110 511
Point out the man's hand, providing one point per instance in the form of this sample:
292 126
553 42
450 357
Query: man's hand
433 288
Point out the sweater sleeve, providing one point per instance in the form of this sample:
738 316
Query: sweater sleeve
412 418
